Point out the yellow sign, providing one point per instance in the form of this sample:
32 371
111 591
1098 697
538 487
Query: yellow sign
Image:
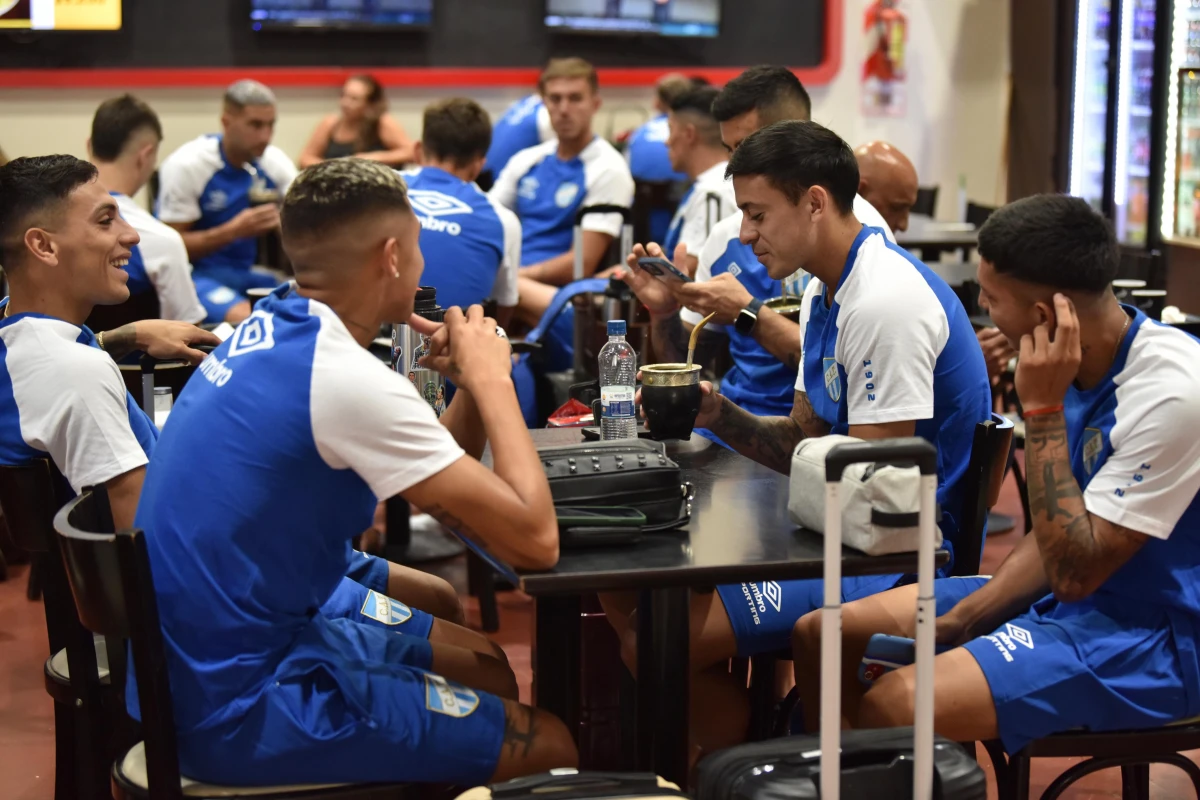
87 15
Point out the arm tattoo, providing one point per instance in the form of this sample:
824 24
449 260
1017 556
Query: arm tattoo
520 730
1076 556
768 440
120 342
452 522
810 424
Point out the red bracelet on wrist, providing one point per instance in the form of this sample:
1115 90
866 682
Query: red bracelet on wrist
1037 412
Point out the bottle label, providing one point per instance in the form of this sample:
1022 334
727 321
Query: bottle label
617 401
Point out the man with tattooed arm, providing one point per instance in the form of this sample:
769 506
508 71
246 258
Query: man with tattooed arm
1092 620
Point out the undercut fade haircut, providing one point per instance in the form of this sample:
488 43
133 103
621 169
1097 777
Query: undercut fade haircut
1052 240
32 192
695 106
332 194
774 92
796 155
248 93
560 68
456 130
115 123
670 87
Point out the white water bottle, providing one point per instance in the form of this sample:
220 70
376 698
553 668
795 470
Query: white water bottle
618 376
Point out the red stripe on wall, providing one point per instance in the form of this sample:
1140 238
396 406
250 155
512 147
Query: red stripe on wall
421 77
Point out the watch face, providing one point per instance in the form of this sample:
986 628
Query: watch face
744 322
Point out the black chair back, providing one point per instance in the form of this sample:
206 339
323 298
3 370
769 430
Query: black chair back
648 197
143 305
990 452
109 573
977 214
926 204
1143 265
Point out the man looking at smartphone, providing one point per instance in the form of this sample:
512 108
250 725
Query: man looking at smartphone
1091 621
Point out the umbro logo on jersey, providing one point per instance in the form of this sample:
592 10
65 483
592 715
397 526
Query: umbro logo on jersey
216 201
436 204
528 187
256 333
734 269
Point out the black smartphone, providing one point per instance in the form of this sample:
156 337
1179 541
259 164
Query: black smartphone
664 270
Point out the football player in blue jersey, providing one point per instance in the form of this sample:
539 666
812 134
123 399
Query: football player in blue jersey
887 351
525 123
546 185
1092 620
471 243
312 430
646 148
124 147
65 249
221 193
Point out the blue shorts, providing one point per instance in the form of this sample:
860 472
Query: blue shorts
1063 666
763 614
352 704
371 571
353 601
222 288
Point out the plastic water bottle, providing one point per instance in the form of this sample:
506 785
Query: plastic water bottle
618 375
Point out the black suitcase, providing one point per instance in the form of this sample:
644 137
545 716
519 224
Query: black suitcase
569 784
899 763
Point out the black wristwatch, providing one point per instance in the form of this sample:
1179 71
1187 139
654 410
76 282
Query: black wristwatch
748 317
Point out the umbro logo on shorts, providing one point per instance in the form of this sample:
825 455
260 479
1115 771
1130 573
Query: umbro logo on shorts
1006 641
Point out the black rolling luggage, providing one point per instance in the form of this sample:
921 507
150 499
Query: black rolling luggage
899 763
568 784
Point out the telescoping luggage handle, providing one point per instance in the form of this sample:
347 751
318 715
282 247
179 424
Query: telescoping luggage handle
911 450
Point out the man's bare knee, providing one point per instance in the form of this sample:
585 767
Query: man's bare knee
534 741
889 703
806 636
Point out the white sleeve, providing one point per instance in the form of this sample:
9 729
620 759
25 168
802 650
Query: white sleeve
504 190
1153 473
168 268
81 418
702 216
545 129
888 342
369 419
504 291
868 215
613 186
279 168
180 185
714 248
811 291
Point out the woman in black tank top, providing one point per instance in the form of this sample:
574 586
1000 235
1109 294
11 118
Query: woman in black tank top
363 128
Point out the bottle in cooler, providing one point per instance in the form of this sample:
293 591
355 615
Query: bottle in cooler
618 376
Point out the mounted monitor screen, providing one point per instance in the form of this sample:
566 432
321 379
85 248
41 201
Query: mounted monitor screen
57 15
341 13
661 17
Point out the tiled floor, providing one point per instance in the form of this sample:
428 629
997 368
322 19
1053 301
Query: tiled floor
27 725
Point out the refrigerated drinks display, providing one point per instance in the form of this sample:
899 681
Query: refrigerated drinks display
1181 195
1089 117
1135 109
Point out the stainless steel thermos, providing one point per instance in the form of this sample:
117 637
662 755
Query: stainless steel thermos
408 347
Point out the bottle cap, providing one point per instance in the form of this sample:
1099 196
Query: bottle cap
162 390
616 327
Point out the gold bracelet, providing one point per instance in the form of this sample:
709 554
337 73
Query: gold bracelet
100 339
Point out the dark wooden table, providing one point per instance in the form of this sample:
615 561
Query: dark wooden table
739 531
933 238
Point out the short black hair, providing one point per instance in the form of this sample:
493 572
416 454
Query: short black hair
115 123
1054 240
331 194
696 103
32 189
456 130
796 155
775 92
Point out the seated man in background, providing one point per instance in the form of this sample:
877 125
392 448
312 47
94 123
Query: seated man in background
471 244
695 148
764 345
264 690
124 144
546 185
221 192
888 181
524 124
646 148
65 249
1091 621
888 351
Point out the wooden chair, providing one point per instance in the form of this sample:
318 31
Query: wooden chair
109 574
88 708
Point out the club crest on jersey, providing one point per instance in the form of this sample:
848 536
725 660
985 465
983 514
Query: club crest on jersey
528 187
437 204
216 201
256 333
833 380
449 698
1093 443
566 194
384 609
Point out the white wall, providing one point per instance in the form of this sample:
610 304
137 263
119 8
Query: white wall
955 120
